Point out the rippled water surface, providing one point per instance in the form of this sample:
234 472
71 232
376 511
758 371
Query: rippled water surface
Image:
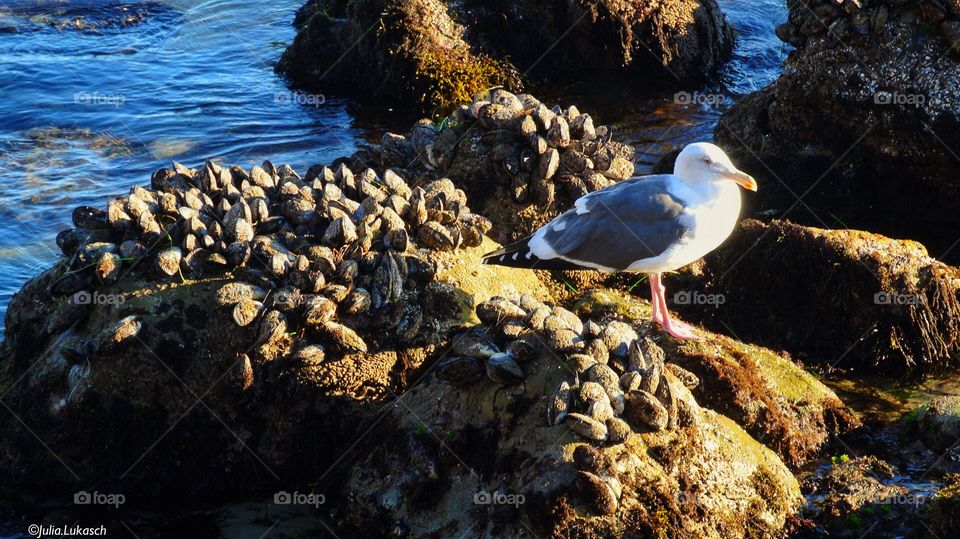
94 95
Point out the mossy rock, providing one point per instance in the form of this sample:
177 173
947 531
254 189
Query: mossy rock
228 415
438 53
937 423
943 511
424 469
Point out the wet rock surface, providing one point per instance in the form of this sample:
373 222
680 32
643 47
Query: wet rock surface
498 459
876 301
774 400
438 53
855 497
862 124
938 425
222 311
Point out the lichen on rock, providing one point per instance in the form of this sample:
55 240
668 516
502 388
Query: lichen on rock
438 53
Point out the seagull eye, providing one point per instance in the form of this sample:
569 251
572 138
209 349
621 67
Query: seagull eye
707 160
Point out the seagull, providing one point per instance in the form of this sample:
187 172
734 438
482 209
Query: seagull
646 224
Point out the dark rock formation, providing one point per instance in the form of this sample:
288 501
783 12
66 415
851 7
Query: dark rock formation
937 424
863 124
839 298
439 53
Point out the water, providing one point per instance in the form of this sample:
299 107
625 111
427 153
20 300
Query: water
85 114
96 94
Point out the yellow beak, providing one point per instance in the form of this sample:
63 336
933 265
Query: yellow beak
743 180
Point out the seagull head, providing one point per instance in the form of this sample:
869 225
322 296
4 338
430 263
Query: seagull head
701 163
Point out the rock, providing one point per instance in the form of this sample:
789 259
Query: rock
943 511
899 311
847 495
432 51
765 392
277 399
937 423
571 482
870 120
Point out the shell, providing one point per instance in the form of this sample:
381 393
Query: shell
644 409
600 410
108 268
635 358
120 333
232 293
559 134
548 164
340 232
651 377
617 430
310 355
318 310
504 370
246 311
618 336
591 392
461 371
523 349
630 381
579 363
273 326
564 340
512 329
474 343
587 427
598 350
357 302
558 405
436 236
599 495
497 310
168 261
666 397
344 338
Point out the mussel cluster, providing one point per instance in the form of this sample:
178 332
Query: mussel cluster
620 378
534 150
839 20
301 250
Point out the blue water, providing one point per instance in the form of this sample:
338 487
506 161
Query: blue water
88 112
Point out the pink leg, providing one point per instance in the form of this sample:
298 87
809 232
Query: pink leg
654 294
674 328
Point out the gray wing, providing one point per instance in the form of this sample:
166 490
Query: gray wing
617 226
